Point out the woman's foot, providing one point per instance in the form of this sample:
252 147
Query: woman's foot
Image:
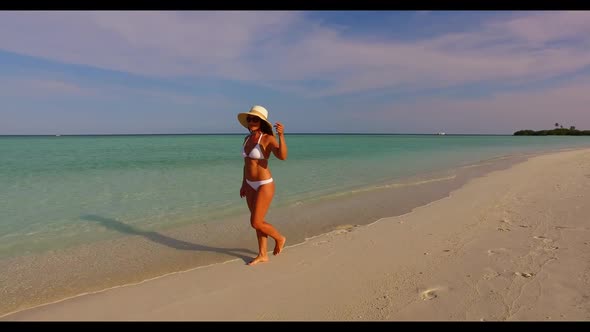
280 243
259 259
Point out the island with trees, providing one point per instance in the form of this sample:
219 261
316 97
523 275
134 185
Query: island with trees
559 130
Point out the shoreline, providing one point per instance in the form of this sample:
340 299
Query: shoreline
306 241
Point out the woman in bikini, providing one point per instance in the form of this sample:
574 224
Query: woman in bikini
257 183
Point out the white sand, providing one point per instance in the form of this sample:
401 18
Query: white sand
512 245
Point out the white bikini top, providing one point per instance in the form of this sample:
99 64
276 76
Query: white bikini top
256 152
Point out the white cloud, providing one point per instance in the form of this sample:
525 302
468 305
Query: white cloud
499 50
34 88
546 27
40 87
149 43
266 48
499 113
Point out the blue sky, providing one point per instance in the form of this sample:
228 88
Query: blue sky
126 72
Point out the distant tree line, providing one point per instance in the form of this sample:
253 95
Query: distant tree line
559 130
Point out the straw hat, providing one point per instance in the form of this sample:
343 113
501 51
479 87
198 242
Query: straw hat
258 111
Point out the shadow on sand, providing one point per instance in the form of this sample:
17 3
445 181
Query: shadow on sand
166 240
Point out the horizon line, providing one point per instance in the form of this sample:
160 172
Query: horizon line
294 133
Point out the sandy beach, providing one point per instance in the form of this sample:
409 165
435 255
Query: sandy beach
511 245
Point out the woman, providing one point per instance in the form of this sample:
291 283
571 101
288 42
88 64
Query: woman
257 183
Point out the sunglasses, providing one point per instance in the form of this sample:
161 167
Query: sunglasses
252 119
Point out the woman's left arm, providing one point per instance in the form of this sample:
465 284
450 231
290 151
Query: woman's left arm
280 148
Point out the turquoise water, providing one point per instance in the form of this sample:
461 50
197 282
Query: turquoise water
48 185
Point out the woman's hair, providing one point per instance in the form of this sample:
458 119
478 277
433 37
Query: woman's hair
265 128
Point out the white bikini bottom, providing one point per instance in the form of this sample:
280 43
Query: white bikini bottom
256 184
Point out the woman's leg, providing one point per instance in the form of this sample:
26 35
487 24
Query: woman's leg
263 199
262 238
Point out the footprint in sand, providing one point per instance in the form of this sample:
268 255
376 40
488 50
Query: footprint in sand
381 302
345 229
342 231
524 274
524 226
543 238
506 221
429 294
490 274
502 229
496 251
